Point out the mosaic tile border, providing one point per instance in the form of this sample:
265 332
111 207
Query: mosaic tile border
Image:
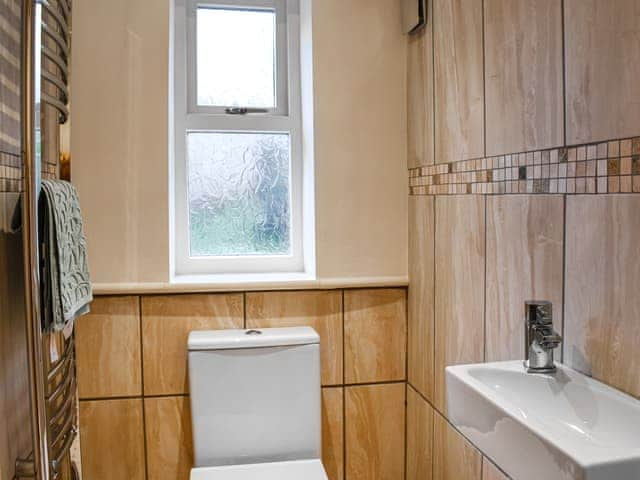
595 168
49 171
10 173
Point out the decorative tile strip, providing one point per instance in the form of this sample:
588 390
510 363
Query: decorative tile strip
49 171
603 167
10 173
10 184
10 160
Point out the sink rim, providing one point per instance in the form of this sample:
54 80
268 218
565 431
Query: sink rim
591 455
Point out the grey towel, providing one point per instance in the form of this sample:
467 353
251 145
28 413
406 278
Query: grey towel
66 284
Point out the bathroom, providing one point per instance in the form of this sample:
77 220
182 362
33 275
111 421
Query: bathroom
411 173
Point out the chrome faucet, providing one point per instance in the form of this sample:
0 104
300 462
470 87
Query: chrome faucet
540 339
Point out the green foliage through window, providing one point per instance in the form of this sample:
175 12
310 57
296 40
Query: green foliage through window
239 194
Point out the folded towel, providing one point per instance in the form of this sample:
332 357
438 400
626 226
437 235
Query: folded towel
66 286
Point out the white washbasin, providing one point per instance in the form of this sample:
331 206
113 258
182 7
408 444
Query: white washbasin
558 426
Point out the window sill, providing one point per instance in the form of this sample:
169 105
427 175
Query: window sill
243 280
231 283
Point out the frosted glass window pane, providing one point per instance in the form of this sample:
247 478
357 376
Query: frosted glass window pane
236 57
239 201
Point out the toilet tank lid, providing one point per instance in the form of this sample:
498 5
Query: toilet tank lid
200 340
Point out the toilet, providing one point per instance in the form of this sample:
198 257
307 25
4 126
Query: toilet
255 404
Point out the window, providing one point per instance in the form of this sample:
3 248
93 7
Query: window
238 169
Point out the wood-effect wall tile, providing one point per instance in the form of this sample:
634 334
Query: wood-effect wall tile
15 436
459 82
602 51
421 294
524 262
169 440
333 432
321 310
420 97
375 419
454 457
523 75
491 472
460 277
375 326
602 324
108 348
166 323
419 437
112 439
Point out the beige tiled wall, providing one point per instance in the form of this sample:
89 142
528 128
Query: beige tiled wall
454 458
602 332
321 310
524 261
459 286
608 50
497 77
458 84
112 439
419 437
491 472
475 259
110 343
374 335
333 431
515 86
523 75
166 323
420 98
132 373
581 252
168 437
375 431
421 294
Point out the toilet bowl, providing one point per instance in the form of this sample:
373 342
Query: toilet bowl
255 404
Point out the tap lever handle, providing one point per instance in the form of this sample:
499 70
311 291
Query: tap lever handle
539 312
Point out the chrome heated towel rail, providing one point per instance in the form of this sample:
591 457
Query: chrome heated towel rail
45 49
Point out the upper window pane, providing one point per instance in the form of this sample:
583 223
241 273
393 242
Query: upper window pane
239 194
236 57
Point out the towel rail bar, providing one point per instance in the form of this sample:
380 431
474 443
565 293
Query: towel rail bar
66 426
57 460
56 37
60 389
59 61
58 105
55 26
59 18
67 356
37 464
64 408
66 7
58 83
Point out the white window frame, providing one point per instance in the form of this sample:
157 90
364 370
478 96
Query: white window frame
286 117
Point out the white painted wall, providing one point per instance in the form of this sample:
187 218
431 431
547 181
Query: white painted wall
120 105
